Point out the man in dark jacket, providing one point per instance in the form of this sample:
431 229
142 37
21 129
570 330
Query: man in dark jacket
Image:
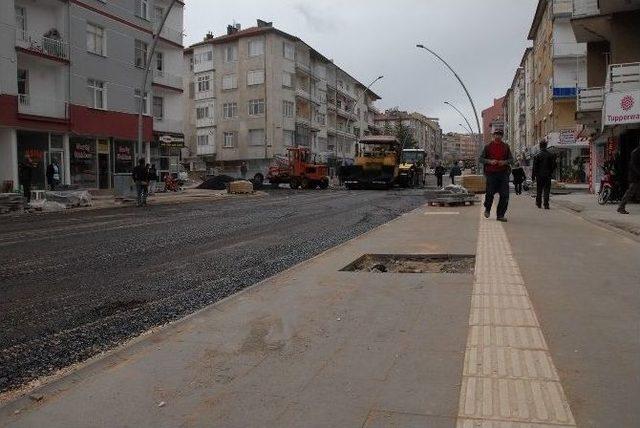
140 176
634 180
25 171
497 159
544 165
454 171
53 175
439 172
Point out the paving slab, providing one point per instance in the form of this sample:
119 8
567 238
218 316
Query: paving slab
312 346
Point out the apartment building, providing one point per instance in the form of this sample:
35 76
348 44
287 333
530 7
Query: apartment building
515 114
259 90
425 131
71 74
459 147
608 107
559 69
492 119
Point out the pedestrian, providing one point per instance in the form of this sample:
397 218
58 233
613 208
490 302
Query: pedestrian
140 176
243 170
497 159
455 170
634 180
544 165
153 179
518 178
53 175
25 171
439 172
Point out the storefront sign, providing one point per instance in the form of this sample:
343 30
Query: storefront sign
123 154
170 141
82 151
621 107
567 136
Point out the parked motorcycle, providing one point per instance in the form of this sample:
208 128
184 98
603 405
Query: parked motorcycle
610 190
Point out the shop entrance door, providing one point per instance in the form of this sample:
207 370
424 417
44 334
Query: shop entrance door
103 170
57 156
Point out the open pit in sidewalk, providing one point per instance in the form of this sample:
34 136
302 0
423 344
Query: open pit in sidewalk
413 263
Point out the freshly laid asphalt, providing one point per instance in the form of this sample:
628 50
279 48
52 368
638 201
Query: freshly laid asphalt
78 283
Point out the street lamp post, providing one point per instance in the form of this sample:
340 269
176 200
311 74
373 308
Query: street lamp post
475 112
149 60
358 100
461 115
466 128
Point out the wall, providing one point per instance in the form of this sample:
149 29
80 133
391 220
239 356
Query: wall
625 43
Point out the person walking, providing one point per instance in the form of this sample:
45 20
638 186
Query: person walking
634 181
497 159
518 178
140 176
153 179
25 172
243 170
53 175
544 165
439 172
455 170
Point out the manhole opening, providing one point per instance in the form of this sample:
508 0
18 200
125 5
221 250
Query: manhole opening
413 263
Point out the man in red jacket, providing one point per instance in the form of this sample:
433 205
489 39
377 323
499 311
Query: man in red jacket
497 159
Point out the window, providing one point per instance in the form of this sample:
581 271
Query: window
140 53
229 139
321 118
230 81
97 94
229 110
23 82
96 40
287 108
231 53
145 106
21 22
158 13
203 140
286 80
142 9
158 108
202 57
204 83
202 112
288 50
256 47
160 63
289 138
256 137
255 77
256 107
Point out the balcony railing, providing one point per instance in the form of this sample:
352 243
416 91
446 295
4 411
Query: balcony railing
43 45
623 77
163 78
208 149
42 106
584 8
569 50
590 99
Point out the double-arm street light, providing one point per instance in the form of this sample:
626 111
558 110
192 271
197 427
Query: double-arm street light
364 93
462 116
466 128
475 112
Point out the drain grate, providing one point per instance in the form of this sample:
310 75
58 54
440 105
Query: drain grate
413 263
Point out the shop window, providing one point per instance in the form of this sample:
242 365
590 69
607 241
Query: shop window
83 162
123 157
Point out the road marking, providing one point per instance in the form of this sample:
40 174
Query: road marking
441 213
509 379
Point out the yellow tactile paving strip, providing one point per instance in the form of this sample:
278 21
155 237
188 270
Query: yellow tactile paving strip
509 379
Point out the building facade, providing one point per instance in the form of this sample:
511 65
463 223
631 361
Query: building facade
608 107
71 74
257 91
459 147
492 119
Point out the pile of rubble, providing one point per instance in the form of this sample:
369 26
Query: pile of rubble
451 194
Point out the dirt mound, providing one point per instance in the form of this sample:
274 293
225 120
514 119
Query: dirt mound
216 182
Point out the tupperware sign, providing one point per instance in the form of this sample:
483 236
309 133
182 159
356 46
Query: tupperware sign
622 107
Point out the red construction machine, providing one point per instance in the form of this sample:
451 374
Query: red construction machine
298 168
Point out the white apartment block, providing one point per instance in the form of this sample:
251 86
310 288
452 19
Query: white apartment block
252 93
71 74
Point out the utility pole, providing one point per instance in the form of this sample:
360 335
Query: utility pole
145 77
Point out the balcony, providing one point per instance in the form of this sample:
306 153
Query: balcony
346 114
303 67
42 106
623 77
590 99
585 8
41 45
569 50
303 94
205 122
161 77
562 7
208 149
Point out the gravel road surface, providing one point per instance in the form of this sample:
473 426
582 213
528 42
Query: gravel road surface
78 283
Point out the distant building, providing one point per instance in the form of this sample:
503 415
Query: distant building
459 147
257 91
492 119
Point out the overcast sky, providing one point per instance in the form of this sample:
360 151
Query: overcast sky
483 40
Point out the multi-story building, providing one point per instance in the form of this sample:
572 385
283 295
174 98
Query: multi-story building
609 106
459 147
257 91
492 119
425 131
559 65
71 74
528 69
514 106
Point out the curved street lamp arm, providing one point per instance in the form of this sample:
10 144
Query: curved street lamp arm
461 115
